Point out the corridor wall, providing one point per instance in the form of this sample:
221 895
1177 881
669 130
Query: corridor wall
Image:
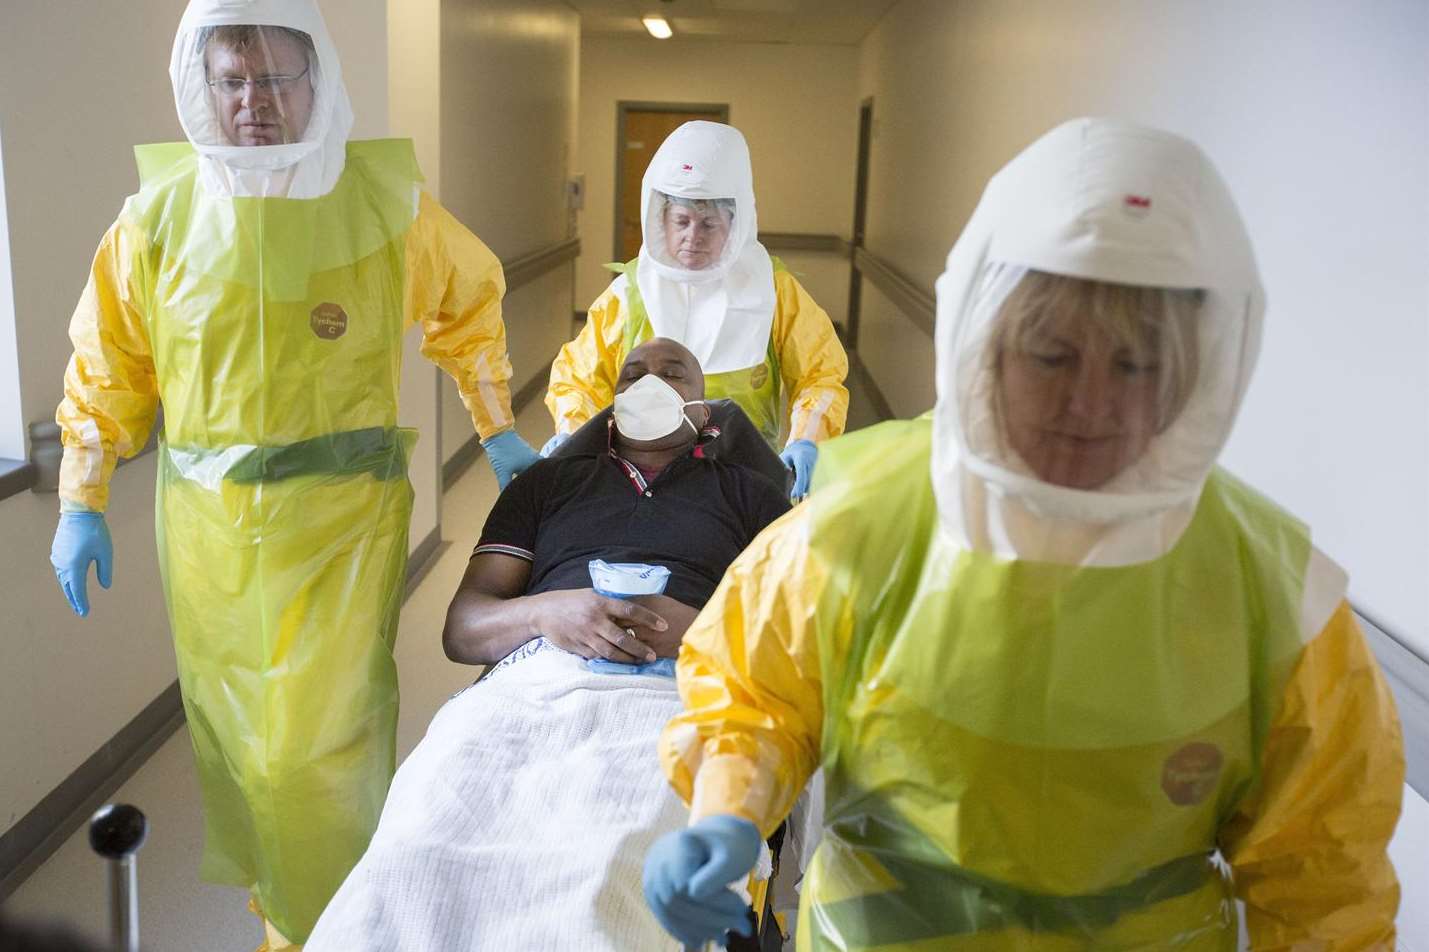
509 74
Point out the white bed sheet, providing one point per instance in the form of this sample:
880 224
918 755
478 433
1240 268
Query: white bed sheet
521 821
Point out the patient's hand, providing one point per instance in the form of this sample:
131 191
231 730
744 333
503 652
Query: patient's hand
594 626
678 616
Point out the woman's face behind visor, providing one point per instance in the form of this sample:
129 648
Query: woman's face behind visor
695 234
1089 373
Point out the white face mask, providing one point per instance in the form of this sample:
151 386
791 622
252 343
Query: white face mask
650 409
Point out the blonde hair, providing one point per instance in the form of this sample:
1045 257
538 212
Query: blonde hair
1163 320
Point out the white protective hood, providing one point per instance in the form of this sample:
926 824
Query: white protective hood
723 314
304 169
1114 202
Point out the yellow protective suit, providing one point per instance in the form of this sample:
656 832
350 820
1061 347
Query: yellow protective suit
800 383
271 329
1025 755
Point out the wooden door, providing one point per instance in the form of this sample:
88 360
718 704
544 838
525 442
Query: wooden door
641 132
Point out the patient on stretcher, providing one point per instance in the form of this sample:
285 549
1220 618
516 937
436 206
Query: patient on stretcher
522 818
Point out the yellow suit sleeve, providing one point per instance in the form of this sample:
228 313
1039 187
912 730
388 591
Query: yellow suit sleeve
111 392
583 373
1309 847
454 289
812 363
749 737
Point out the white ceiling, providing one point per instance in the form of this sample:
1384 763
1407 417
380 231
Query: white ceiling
844 22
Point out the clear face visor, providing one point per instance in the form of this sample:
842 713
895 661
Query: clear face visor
1075 382
248 85
693 234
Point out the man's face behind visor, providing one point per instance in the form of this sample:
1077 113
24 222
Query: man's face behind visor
261 84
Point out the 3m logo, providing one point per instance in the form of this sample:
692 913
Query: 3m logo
687 168
1137 206
328 321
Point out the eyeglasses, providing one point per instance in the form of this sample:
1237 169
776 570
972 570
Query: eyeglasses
233 87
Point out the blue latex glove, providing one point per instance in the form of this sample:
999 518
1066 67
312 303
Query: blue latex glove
81 538
553 444
687 877
660 667
509 454
800 456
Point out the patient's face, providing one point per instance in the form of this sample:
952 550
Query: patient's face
677 367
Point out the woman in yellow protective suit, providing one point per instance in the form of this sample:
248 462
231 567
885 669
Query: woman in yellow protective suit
259 285
702 278
1056 666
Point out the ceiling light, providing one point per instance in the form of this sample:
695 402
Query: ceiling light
658 27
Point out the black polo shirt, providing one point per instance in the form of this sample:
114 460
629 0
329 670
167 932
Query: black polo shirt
694 518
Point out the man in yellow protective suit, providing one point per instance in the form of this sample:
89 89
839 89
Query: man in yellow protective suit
259 285
703 279
1070 685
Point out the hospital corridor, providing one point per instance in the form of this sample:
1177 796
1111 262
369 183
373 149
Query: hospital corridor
747 475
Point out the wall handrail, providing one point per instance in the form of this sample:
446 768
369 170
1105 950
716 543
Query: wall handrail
529 267
919 305
1408 676
16 476
804 241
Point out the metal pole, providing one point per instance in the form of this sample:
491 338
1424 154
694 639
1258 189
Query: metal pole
124 904
116 832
